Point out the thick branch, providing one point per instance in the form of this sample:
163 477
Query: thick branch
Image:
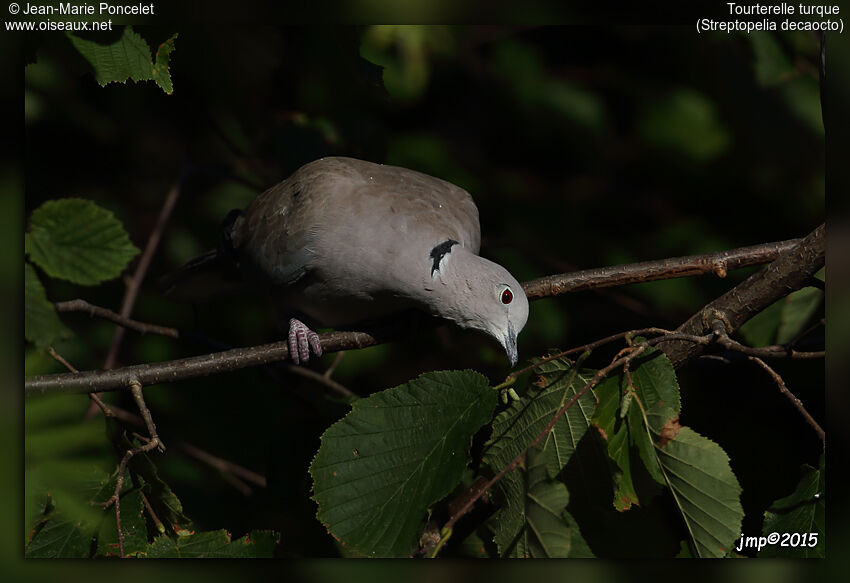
790 272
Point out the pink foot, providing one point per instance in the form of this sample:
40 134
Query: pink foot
301 340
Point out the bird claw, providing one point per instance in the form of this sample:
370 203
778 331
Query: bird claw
301 340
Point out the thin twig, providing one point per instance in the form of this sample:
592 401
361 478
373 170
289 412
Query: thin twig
775 351
95 398
135 283
322 379
80 305
586 347
152 443
719 327
334 364
136 390
222 465
159 526
226 467
132 291
115 499
794 400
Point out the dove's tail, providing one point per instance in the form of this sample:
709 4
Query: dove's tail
205 277
211 275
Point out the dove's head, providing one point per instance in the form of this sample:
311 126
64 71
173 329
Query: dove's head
480 294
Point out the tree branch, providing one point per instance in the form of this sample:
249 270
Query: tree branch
235 359
132 290
122 321
189 368
791 271
717 263
791 397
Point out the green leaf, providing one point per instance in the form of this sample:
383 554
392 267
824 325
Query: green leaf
133 523
75 239
165 503
704 488
42 325
474 546
772 65
215 544
802 512
71 520
160 72
60 538
797 310
537 503
127 58
685 123
654 381
685 551
396 453
760 330
784 319
517 426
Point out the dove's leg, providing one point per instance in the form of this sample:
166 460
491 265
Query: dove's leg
301 340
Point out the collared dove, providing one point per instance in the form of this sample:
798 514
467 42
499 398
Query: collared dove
343 240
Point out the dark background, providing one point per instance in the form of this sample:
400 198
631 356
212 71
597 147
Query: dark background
582 146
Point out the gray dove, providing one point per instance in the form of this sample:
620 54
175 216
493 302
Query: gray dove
343 240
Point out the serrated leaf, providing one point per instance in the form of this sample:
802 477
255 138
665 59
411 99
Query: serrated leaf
517 426
382 466
60 538
704 488
215 544
165 503
513 431
70 473
802 512
42 325
133 523
75 239
546 528
71 521
127 58
160 71
654 382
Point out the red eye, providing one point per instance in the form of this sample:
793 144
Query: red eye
507 296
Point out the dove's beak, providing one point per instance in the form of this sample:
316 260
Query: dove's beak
509 342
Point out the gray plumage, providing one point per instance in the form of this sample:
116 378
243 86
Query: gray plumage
343 240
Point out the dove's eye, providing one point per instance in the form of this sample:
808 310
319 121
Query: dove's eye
507 296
